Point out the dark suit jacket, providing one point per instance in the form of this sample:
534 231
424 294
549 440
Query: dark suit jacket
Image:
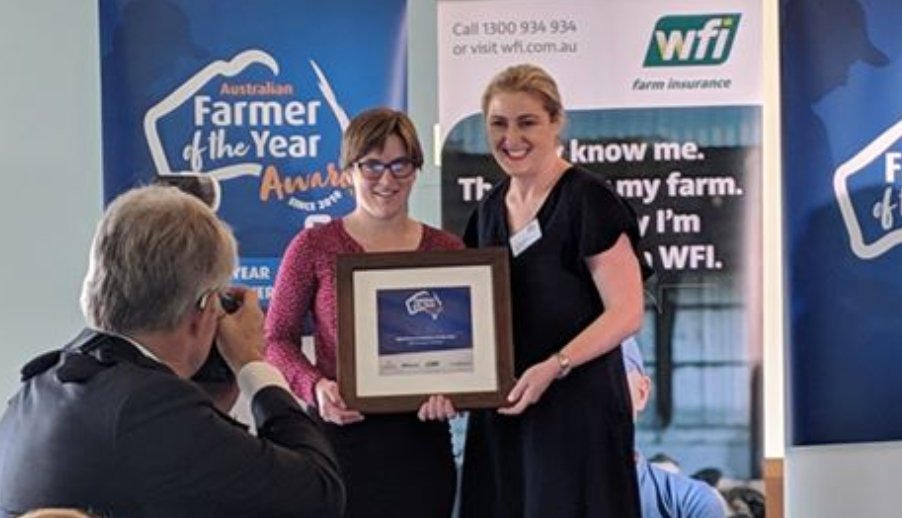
101 427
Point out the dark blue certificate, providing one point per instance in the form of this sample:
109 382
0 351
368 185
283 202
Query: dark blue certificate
417 323
424 320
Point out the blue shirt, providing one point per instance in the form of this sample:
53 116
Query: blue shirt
670 495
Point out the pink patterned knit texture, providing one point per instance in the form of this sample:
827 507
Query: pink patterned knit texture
306 284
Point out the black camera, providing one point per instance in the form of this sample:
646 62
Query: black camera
215 369
206 188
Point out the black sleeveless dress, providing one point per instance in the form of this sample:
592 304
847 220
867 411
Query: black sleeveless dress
571 454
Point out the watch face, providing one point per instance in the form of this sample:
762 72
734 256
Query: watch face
564 364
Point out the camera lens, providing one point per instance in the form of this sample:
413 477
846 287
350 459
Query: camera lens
229 303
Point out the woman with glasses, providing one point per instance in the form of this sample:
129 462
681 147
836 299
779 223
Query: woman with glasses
394 465
564 445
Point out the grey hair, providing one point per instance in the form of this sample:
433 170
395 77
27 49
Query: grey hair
155 252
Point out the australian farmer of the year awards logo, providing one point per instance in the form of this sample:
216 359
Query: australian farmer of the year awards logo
868 190
237 119
424 301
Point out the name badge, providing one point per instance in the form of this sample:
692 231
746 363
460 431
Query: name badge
526 237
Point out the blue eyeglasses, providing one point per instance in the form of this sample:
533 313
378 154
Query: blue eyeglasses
373 169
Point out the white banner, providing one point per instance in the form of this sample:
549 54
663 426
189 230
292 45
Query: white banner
617 53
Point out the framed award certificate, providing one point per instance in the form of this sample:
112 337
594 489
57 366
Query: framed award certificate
414 324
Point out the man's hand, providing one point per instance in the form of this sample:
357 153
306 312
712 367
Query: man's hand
239 335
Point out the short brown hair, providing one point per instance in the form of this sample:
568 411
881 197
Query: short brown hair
528 79
370 130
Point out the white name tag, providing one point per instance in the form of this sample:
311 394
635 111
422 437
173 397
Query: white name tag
526 237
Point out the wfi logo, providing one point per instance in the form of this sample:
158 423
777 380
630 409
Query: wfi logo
692 40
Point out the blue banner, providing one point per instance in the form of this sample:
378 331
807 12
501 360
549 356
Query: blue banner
249 99
843 207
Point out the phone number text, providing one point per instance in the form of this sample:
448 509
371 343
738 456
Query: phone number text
512 27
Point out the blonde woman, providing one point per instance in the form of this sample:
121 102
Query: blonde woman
564 445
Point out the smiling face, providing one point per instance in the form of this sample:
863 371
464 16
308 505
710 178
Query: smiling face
385 197
522 134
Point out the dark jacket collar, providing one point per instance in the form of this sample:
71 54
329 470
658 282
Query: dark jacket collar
89 353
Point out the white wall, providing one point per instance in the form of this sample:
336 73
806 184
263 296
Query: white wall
50 171
422 74
845 481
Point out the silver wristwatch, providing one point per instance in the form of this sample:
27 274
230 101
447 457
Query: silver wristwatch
563 362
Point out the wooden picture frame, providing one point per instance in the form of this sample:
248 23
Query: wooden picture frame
413 324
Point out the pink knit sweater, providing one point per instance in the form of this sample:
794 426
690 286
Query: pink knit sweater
306 284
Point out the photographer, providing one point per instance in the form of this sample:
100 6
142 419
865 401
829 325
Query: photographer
110 423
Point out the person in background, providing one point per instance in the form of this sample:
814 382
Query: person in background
564 445
664 493
111 422
395 465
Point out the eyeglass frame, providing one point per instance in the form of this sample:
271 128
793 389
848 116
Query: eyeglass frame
365 168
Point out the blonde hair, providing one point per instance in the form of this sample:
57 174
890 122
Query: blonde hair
528 79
